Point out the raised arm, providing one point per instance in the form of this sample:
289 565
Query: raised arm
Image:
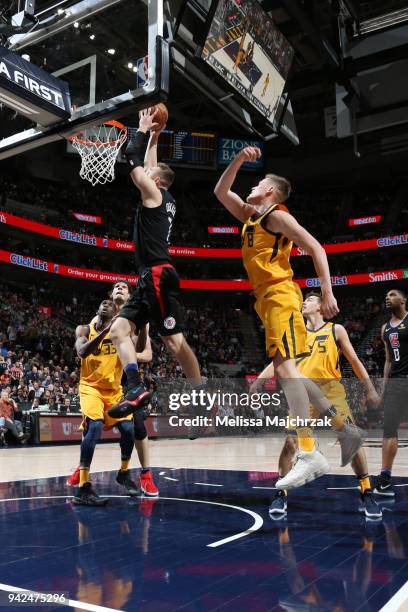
150 160
231 200
359 370
83 345
282 222
143 344
136 153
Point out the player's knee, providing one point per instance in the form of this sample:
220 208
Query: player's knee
119 330
126 429
390 430
94 430
286 369
140 432
174 343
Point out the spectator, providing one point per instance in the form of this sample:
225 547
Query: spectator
7 420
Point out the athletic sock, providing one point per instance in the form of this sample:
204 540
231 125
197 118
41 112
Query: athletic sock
368 545
132 374
83 475
284 536
305 439
364 483
124 465
145 470
386 473
337 422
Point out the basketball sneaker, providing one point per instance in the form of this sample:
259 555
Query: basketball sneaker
146 506
383 486
135 398
147 485
351 439
369 506
308 466
280 504
123 478
86 496
73 480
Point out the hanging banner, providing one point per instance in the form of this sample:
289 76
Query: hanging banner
87 218
182 251
364 220
212 285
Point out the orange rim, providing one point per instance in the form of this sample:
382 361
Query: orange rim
89 143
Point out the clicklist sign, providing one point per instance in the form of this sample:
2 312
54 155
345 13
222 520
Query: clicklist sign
31 91
228 148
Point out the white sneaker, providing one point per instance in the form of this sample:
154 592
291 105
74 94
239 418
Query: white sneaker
308 466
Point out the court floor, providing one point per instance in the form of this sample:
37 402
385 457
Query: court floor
208 542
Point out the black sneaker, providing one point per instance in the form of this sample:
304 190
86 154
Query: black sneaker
135 398
123 478
383 486
280 504
87 497
369 506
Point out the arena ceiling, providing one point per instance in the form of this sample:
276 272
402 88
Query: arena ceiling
311 27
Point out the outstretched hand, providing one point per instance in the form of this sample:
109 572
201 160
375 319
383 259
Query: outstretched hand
328 307
249 154
146 119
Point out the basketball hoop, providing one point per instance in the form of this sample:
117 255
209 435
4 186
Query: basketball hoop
99 147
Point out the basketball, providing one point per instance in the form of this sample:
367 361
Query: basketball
161 116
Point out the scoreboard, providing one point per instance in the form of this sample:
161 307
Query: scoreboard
194 149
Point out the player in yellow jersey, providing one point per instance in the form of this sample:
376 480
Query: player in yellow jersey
326 342
100 388
267 237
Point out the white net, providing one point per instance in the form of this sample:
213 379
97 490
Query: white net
99 147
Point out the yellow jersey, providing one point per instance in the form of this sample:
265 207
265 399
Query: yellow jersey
265 254
324 358
103 371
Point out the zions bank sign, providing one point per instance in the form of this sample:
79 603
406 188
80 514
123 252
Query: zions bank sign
31 91
228 148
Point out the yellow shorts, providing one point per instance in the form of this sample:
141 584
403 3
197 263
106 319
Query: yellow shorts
335 392
96 402
279 309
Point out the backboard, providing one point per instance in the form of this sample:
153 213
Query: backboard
97 47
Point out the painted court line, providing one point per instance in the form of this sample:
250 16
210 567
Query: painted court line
397 601
173 479
257 524
258 520
264 487
208 484
72 603
341 488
